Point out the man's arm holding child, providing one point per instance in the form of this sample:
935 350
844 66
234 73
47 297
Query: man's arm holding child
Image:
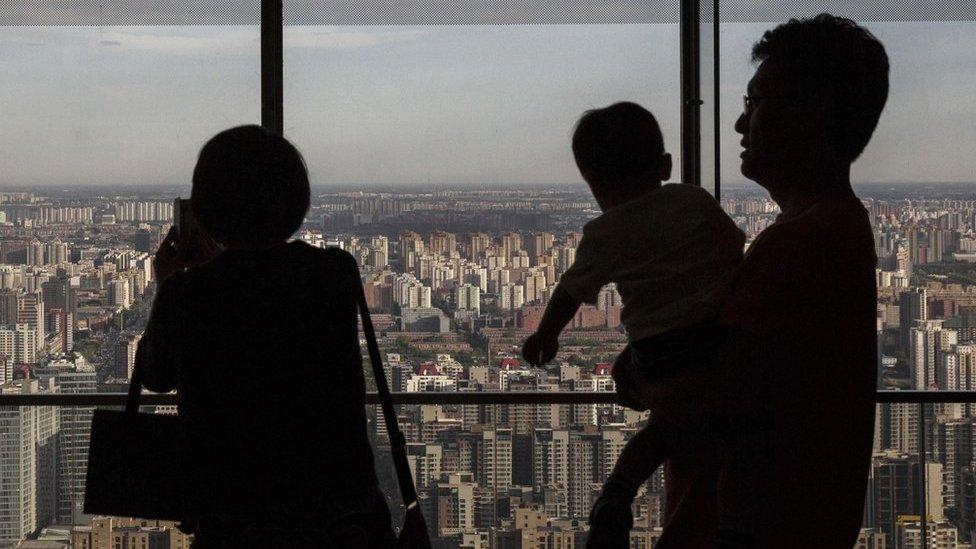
541 347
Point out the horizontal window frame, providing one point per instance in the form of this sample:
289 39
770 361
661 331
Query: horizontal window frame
484 397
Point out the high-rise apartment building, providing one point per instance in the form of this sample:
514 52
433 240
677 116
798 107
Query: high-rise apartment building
929 338
478 244
30 311
28 453
468 298
18 344
72 378
125 355
894 490
912 308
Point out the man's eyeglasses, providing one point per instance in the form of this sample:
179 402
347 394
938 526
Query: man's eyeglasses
749 103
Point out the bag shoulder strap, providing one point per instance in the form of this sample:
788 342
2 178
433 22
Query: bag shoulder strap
397 440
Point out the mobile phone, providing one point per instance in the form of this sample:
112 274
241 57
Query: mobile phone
192 242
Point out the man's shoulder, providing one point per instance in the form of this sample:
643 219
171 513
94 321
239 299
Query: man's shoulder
828 219
684 191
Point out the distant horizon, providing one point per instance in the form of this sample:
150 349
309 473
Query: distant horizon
410 188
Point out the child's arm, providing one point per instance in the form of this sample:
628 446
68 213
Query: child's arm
541 347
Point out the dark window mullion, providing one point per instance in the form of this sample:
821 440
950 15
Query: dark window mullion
272 90
690 92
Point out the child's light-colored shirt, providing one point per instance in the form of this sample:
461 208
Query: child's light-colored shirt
673 253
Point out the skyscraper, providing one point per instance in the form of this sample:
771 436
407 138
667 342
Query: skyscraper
928 340
912 307
28 446
72 378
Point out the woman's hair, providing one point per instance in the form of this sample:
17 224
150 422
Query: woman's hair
250 184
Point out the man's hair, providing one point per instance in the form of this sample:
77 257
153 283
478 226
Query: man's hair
835 55
618 141
250 184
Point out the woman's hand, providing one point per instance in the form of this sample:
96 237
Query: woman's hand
170 259
540 349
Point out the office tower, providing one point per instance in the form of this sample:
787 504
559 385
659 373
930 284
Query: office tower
28 452
125 355
72 378
468 298
912 307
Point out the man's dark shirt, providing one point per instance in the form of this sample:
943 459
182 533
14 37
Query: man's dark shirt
263 349
805 289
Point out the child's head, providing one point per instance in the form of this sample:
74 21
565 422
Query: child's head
620 152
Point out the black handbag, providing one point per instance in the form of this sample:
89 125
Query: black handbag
135 462
414 534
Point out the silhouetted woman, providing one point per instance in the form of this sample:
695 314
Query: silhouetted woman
261 343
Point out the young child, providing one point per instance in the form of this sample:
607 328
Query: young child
672 252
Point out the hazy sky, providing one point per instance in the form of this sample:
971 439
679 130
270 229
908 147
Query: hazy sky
445 104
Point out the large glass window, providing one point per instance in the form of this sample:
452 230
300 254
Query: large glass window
916 179
120 105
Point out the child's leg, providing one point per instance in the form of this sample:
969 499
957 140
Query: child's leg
643 454
626 380
611 518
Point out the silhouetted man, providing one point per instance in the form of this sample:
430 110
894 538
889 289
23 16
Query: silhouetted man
802 363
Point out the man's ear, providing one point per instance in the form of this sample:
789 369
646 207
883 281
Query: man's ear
664 169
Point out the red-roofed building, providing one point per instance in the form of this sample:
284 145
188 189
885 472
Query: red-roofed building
510 364
603 369
428 369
